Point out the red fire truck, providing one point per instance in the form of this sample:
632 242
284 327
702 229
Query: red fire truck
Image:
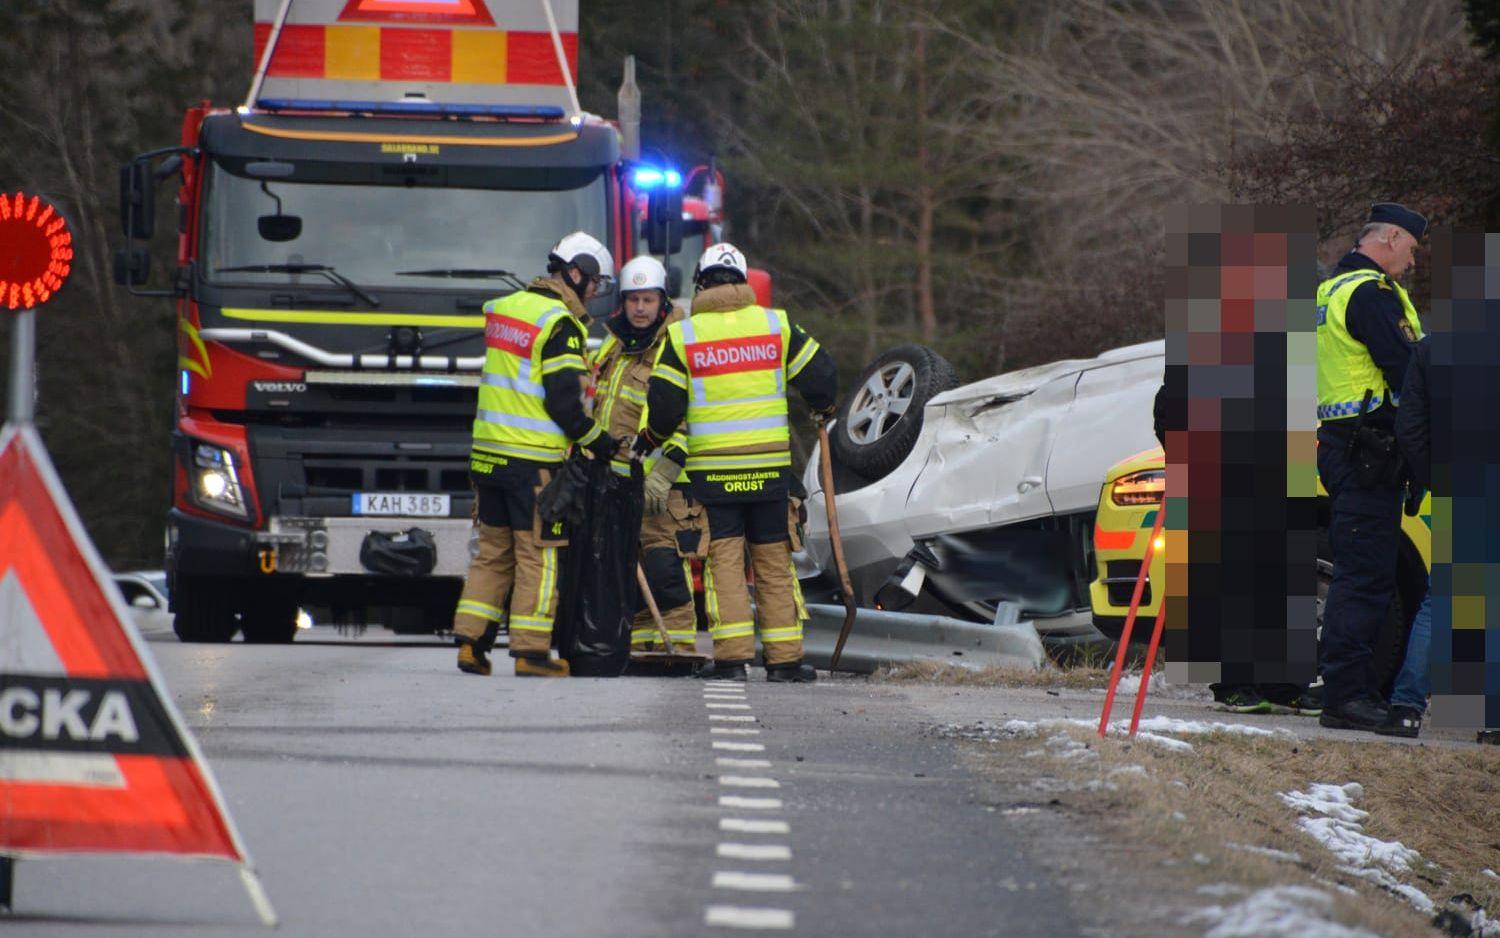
396 164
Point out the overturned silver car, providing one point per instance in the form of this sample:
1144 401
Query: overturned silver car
978 501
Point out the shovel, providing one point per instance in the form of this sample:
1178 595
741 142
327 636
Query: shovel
825 470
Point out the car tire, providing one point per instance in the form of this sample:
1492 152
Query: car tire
880 420
202 610
269 620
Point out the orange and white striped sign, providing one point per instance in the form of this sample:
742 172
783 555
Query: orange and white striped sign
447 51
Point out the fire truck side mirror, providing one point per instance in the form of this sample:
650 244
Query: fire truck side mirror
137 200
132 266
664 220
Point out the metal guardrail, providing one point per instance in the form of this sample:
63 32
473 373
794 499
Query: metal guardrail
880 637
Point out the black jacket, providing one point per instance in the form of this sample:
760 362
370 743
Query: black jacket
1159 416
1414 416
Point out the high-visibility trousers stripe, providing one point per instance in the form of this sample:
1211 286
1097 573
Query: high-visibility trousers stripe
474 607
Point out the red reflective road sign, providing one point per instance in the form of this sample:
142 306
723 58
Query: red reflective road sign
36 250
437 12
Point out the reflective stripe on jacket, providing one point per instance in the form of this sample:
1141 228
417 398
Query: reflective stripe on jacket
1345 368
735 377
512 419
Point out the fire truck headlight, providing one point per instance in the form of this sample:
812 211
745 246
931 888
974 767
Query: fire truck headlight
217 482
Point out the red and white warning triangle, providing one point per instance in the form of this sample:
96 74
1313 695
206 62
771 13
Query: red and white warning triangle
94 757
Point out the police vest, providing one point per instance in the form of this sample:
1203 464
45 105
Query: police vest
735 364
511 419
1345 368
620 399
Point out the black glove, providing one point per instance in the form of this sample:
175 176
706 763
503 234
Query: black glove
603 446
645 443
1414 496
821 417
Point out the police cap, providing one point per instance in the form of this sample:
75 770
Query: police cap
1394 213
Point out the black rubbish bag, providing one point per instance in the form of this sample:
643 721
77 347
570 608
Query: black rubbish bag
598 595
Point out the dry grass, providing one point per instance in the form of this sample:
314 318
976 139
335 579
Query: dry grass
1188 808
941 672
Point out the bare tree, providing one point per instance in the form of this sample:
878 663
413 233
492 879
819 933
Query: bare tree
1117 109
86 84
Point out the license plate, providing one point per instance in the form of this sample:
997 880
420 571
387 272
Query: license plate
408 504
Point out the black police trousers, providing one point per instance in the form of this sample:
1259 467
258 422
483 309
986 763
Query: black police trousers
1364 530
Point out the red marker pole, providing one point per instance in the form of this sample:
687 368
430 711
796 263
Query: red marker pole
1135 605
1140 697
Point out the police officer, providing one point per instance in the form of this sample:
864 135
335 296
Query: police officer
1366 329
726 370
530 411
672 523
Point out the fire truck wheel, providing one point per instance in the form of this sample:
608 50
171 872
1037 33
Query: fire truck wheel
203 610
269 620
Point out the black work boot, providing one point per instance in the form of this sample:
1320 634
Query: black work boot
1361 714
724 671
1404 721
791 672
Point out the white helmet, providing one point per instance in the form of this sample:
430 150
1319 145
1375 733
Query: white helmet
585 252
721 256
643 273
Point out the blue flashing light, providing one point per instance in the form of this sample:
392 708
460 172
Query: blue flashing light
187 382
425 108
646 178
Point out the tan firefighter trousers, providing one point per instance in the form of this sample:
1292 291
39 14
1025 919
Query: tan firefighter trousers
520 560
668 543
778 597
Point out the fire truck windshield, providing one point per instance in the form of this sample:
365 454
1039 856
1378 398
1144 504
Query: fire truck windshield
371 233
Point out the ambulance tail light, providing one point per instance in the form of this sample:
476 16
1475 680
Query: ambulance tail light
1147 487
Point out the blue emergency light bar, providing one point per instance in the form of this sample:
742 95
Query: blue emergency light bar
649 177
422 108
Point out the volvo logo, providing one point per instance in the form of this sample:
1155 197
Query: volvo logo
279 387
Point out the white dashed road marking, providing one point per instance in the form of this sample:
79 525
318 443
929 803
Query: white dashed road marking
754 852
730 762
755 882
731 697
738 747
748 781
730 916
758 804
739 825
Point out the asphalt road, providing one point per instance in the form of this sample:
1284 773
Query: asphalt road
382 792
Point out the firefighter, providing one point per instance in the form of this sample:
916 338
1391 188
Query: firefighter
673 522
530 411
725 369
1366 329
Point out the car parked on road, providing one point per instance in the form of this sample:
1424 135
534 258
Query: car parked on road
145 593
978 501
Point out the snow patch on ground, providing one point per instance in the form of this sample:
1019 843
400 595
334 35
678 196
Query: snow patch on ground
1284 855
1276 912
1490 873
1158 730
1221 890
1330 817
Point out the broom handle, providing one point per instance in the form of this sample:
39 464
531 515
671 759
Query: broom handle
661 627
